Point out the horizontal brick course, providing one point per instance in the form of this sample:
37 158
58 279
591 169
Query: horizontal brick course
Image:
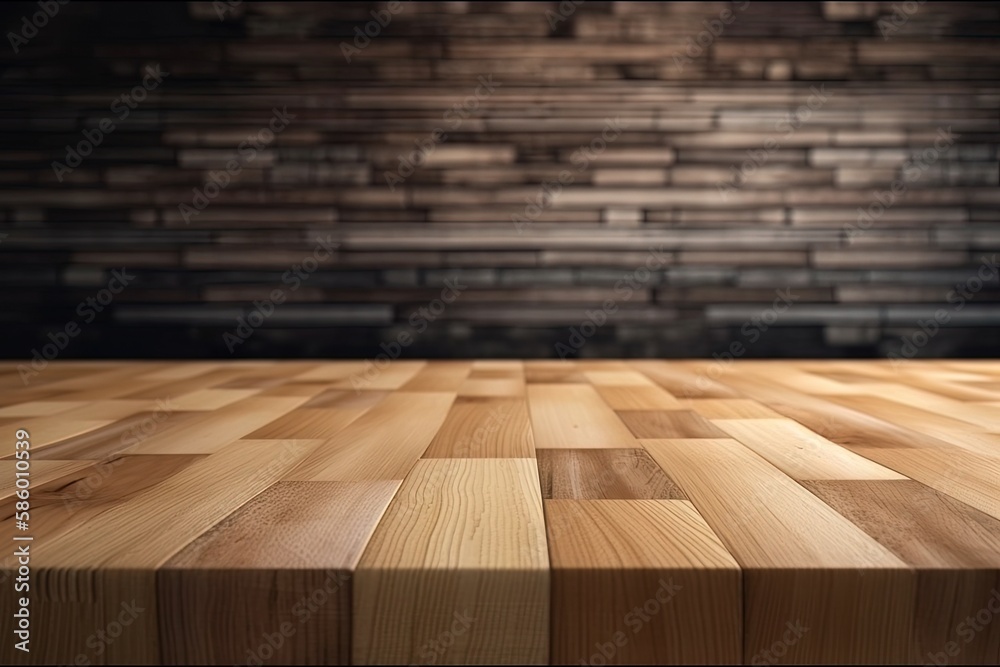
610 138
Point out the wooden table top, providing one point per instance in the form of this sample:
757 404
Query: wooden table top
587 512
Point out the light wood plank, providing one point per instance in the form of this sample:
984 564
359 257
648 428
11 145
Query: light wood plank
667 424
802 562
954 548
641 582
461 551
573 417
308 538
484 428
800 453
382 444
87 576
208 433
638 398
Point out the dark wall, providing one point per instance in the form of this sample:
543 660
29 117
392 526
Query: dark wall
843 155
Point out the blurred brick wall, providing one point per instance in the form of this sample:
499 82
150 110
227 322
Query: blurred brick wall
758 148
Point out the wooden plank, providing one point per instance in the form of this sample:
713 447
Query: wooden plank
802 562
936 404
728 408
574 417
335 370
460 555
638 398
382 444
667 424
114 438
297 580
181 370
966 476
207 433
319 422
39 473
641 582
442 376
684 383
953 431
210 399
603 474
496 386
954 548
800 453
46 431
61 501
88 576
484 428
617 378
38 408
553 372
374 377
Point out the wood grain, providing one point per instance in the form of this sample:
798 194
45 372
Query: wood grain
461 552
827 573
800 453
954 549
382 444
296 580
641 582
573 416
603 474
87 576
667 424
499 511
637 398
487 427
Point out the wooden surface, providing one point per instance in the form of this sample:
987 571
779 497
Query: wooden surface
538 512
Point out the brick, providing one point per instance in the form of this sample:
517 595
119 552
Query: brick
629 177
886 258
622 217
